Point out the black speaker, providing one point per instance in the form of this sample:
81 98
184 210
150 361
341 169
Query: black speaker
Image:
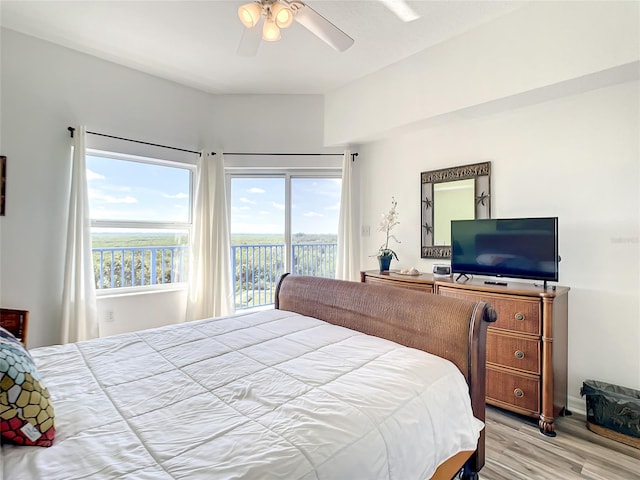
442 270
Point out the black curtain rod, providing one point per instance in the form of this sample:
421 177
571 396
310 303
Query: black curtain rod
71 130
353 155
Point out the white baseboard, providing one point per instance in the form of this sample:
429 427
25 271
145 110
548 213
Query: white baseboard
577 405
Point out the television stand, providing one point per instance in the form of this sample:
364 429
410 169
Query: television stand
462 275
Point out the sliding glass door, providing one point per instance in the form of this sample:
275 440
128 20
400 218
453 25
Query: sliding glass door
258 232
315 206
281 223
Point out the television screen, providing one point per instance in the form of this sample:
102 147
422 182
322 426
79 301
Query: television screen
513 247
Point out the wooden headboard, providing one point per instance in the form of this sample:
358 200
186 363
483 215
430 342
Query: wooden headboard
448 327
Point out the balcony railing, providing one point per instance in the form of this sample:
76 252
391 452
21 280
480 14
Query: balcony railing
256 269
138 266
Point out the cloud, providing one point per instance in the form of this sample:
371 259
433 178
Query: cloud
128 199
313 214
264 212
331 187
177 195
235 208
246 200
279 206
335 206
100 196
257 190
91 175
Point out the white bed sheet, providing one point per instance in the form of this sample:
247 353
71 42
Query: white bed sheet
267 395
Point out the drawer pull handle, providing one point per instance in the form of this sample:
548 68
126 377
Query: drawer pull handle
519 354
518 393
519 316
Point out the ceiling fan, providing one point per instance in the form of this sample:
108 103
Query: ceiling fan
274 15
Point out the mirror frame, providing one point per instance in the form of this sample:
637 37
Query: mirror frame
480 172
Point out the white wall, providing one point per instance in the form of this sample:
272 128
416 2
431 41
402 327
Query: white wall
557 114
542 44
137 311
46 88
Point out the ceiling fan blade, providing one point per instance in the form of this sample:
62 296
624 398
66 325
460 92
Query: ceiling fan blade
323 28
250 40
402 9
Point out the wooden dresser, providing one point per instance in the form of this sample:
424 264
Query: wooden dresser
526 346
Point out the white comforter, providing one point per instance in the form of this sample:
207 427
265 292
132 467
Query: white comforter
268 395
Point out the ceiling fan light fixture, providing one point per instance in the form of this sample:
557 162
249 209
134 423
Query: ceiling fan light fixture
282 15
250 14
270 31
277 14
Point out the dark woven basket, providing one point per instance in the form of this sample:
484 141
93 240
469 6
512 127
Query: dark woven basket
613 407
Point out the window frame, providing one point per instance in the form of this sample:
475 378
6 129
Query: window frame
288 174
146 225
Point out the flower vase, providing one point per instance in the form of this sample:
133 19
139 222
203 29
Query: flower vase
385 262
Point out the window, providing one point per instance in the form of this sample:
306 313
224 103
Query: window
281 223
140 220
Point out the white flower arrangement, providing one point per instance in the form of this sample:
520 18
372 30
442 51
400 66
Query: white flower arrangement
388 222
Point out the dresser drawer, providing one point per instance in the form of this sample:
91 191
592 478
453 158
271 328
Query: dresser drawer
518 314
516 352
394 282
520 391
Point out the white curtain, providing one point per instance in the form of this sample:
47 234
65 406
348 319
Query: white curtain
347 264
209 269
79 310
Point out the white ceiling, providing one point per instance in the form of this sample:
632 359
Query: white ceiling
194 42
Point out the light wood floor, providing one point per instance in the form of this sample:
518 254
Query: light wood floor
516 450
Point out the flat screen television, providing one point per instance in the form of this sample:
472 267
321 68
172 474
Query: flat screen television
506 247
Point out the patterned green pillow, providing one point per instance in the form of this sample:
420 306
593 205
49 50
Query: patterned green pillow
26 412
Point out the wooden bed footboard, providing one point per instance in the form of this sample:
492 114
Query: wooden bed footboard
448 327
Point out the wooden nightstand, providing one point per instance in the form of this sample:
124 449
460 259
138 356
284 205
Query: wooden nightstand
16 322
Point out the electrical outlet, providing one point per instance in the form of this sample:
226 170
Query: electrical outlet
366 230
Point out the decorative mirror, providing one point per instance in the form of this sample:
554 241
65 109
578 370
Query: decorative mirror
457 193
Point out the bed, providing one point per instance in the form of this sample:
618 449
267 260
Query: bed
322 386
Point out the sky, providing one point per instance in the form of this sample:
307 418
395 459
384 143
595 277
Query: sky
126 190
258 205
